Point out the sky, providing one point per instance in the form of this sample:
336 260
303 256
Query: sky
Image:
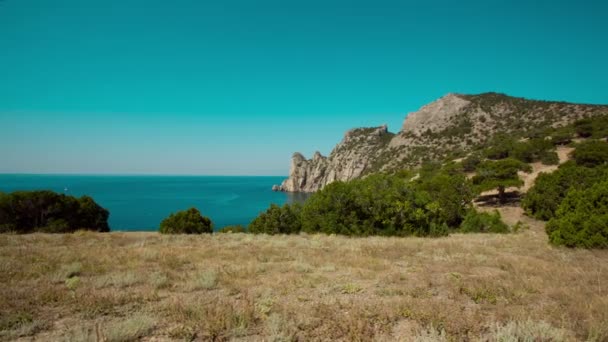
234 87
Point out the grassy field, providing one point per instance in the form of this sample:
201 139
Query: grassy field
126 286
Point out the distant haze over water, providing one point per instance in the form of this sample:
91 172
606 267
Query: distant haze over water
141 202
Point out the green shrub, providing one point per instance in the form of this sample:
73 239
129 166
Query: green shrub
549 158
561 137
388 205
584 128
186 222
542 200
582 219
452 192
499 175
532 150
278 220
591 153
500 147
470 163
29 211
480 222
233 229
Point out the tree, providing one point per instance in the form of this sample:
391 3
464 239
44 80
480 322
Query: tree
582 219
499 175
584 128
453 192
549 190
501 147
591 153
278 220
30 211
186 222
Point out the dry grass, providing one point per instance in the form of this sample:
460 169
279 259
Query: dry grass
513 287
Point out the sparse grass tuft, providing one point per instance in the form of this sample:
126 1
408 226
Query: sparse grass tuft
205 280
129 329
528 331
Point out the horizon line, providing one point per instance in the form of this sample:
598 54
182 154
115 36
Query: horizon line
131 174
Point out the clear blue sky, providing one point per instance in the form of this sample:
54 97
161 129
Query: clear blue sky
235 87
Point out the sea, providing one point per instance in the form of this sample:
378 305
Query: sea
140 203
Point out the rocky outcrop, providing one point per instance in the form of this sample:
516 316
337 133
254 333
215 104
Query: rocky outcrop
348 160
446 128
435 116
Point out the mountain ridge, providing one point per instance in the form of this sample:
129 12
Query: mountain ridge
451 126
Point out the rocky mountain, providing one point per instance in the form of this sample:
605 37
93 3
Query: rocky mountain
449 127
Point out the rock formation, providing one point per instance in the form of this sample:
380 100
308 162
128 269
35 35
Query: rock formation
448 127
348 160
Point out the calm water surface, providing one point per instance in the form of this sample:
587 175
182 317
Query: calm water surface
141 202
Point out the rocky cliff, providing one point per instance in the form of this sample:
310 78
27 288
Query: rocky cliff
348 160
449 127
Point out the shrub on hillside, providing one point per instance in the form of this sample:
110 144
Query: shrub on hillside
584 128
531 150
481 222
29 211
453 192
433 204
186 222
561 137
542 200
582 219
470 163
591 153
233 229
389 205
278 220
499 175
500 147
549 158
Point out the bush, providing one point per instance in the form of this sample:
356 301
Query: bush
549 158
452 192
29 211
591 153
233 229
561 137
186 222
532 150
501 147
543 199
584 128
278 220
389 205
470 163
582 219
499 175
479 222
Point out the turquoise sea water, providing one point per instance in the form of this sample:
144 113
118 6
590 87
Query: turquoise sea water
141 202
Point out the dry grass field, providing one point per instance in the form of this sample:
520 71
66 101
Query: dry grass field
130 286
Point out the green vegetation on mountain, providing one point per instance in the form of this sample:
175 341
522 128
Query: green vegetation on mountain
499 175
186 222
434 204
591 153
47 211
582 218
543 199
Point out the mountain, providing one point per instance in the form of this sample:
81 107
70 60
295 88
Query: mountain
449 127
